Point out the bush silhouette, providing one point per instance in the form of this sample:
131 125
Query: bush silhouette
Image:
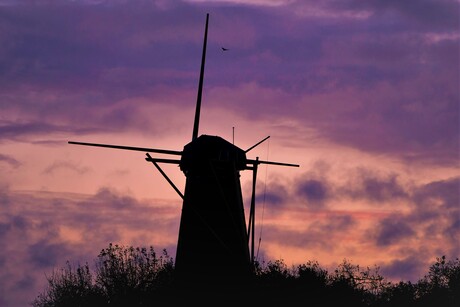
128 276
125 276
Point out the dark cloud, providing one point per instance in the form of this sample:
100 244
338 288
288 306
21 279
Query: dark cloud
26 130
66 66
27 283
406 269
394 90
19 222
433 208
447 192
113 200
65 44
404 88
275 196
317 187
314 191
323 234
33 230
9 130
452 231
378 190
271 198
46 255
314 186
27 248
4 228
291 238
374 187
10 160
435 213
335 223
57 165
393 230
438 208
430 14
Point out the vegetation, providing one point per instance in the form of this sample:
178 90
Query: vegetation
128 276
124 276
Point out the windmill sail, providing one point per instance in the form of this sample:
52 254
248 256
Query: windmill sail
143 149
196 123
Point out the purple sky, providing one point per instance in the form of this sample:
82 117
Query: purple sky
364 95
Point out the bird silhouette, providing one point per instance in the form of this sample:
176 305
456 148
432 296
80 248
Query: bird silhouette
224 49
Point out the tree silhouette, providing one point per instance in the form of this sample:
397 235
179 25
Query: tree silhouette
128 276
125 276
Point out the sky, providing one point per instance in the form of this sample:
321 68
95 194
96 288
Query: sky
363 95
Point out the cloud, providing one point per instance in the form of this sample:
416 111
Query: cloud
319 187
291 238
427 13
27 283
445 193
392 231
27 130
374 187
107 197
79 41
452 231
314 191
437 207
431 225
57 165
10 161
339 223
314 187
55 228
78 66
405 269
46 255
275 197
324 235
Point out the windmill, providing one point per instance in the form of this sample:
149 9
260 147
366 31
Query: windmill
214 241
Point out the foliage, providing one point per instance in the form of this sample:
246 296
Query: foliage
128 276
125 276
441 285
70 287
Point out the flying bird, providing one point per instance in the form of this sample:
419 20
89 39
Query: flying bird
224 49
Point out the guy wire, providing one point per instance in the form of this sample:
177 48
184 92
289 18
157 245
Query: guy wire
263 203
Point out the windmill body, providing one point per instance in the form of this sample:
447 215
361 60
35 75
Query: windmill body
213 242
212 236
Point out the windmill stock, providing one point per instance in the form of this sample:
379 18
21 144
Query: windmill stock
214 241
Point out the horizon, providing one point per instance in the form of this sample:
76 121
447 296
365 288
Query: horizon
364 96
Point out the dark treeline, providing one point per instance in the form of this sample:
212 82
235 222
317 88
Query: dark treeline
128 276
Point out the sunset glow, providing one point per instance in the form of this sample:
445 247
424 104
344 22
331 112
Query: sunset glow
364 95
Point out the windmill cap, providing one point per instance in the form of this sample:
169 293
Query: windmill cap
198 154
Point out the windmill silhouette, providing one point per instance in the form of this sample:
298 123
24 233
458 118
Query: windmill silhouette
214 241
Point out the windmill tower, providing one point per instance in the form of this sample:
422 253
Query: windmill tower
214 241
